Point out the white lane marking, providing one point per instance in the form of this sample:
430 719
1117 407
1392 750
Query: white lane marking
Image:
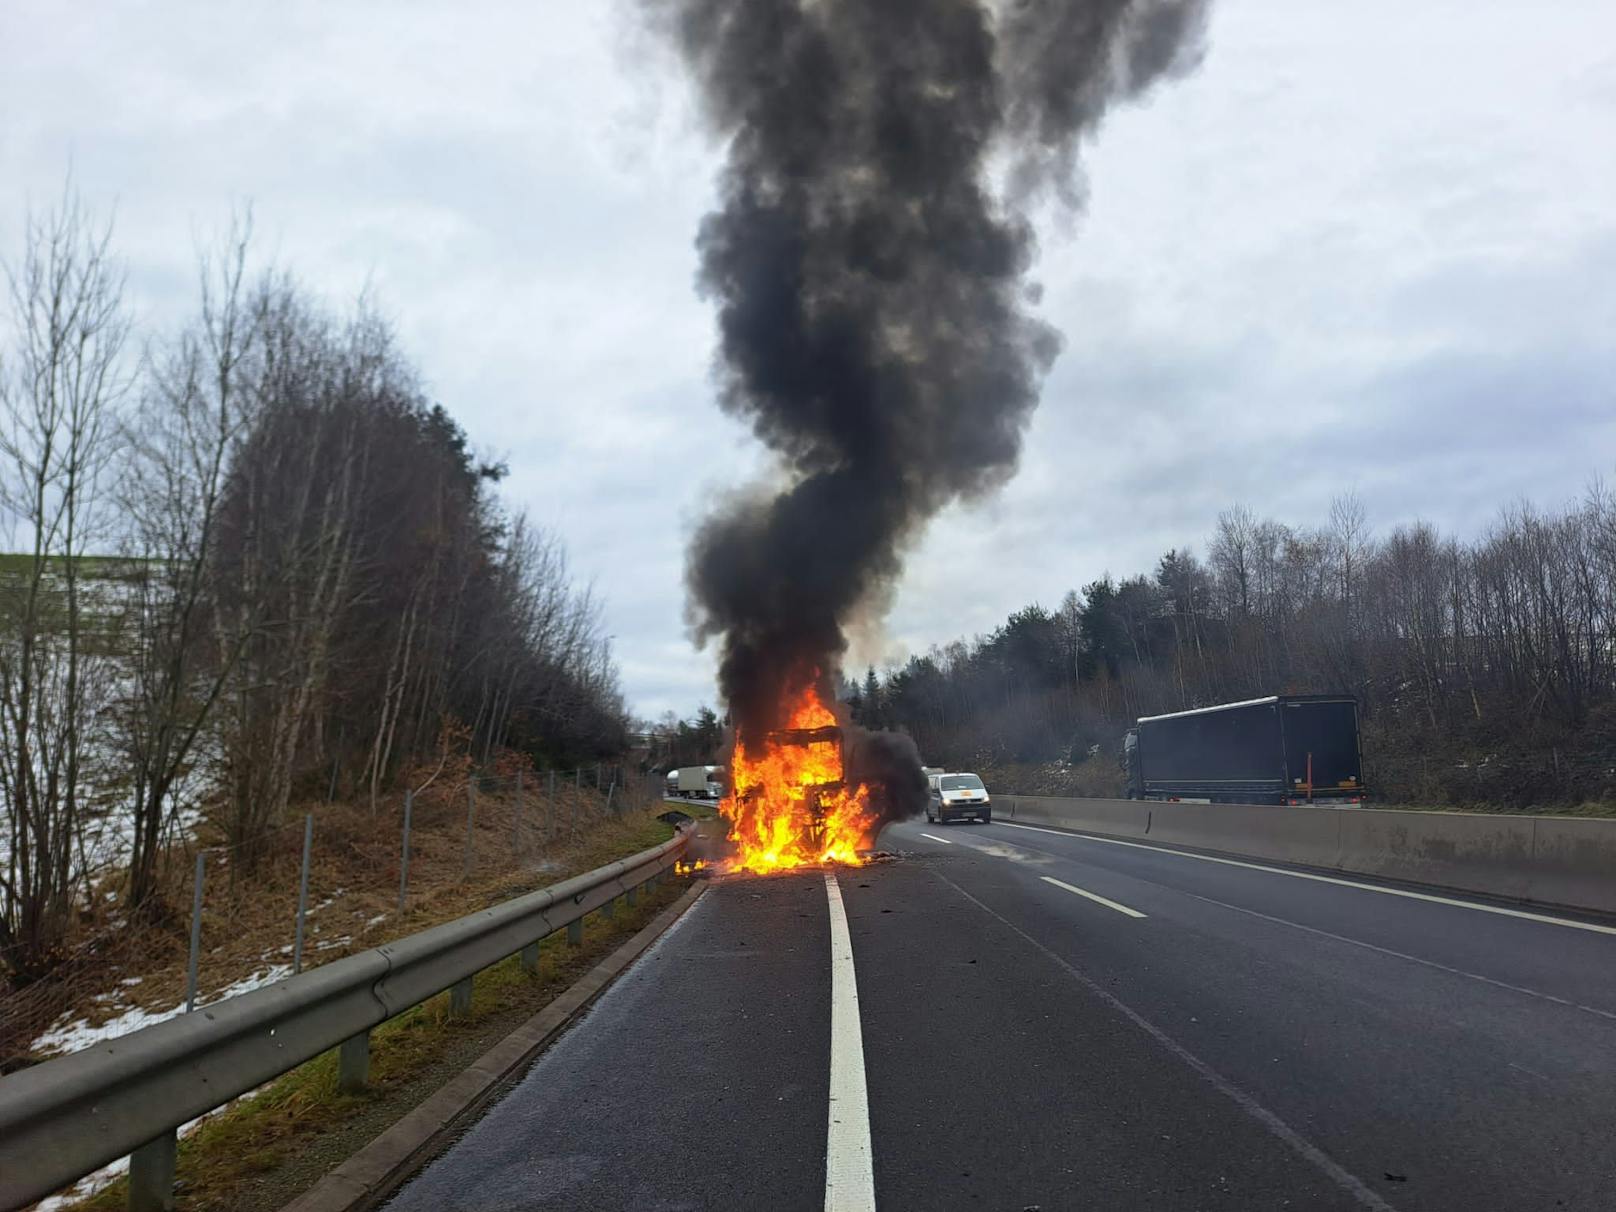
1402 955
1093 896
849 1163
935 838
1343 1177
1330 879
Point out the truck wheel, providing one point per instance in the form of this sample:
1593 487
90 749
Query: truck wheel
987 818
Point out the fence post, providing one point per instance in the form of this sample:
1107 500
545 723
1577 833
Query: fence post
196 931
577 794
471 812
303 895
353 1063
151 1174
404 863
550 809
516 826
610 791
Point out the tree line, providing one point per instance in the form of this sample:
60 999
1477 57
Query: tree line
1485 667
252 561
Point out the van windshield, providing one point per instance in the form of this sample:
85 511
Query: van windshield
962 782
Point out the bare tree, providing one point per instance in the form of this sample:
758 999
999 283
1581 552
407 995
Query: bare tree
196 408
60 386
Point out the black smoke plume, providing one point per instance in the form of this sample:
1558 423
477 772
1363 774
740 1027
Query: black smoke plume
869 263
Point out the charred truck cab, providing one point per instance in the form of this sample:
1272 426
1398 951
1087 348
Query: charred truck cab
1284 749
821 750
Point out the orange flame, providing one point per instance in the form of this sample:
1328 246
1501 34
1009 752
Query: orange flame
683 868
787 806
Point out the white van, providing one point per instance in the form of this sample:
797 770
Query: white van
958 797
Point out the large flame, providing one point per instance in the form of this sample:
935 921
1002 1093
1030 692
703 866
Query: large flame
787 805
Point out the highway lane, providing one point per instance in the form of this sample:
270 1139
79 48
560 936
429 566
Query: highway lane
698 1080
1057 1022
1468 1053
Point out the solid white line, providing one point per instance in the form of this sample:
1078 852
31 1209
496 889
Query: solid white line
849 1163
935 838
1402 955
1093 896
1329 879
1344 1178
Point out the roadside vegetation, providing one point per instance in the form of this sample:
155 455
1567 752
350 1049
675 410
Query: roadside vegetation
267 1148
255 571
1485 669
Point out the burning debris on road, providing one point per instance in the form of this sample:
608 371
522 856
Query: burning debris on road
869 261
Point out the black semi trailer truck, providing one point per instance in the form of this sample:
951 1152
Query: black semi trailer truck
1286 749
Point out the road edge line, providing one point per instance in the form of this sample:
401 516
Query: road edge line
849 1159
1480 902
377 1170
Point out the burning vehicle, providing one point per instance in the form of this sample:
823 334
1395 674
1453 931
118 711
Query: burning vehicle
791 803
817 789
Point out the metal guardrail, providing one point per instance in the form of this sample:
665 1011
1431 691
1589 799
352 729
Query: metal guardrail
68 1117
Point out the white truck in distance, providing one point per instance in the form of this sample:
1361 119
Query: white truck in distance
699 782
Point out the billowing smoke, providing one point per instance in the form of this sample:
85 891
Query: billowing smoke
869 263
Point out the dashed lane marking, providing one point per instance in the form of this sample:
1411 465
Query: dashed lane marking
1570 923
1093 896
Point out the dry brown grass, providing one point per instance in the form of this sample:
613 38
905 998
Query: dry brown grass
249 917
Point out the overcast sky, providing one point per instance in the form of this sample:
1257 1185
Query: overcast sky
1368 246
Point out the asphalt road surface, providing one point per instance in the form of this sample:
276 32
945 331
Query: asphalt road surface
1049 1021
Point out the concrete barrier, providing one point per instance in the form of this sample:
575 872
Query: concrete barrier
1482 853
1568 862
1574 862
1289 835
1119 818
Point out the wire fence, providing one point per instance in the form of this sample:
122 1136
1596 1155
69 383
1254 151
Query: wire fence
338 878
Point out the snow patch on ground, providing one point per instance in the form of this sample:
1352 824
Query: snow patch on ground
328 900
71 1035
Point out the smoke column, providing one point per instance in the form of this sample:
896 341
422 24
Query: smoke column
869 263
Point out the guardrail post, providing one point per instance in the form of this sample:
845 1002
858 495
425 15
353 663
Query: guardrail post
633 896
530 957
575 932
151 1174
609 909
302 895
404 861
460 998
353 1063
